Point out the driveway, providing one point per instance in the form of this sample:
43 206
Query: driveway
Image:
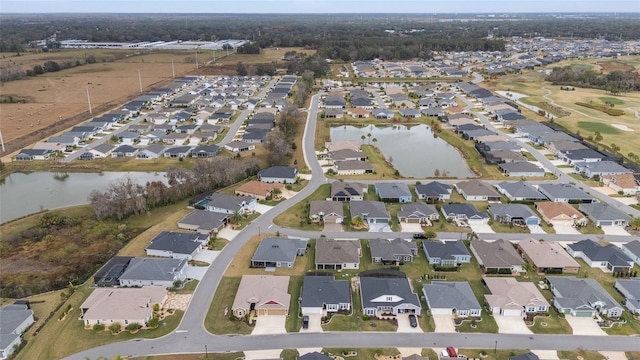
315 324
546 354
566 229
404 326
413 228
267 324
228 234
536 229
614 355
584 326
195 272
207 256
444 324
379 228
261 208
615 230
333 227
481 228
511 325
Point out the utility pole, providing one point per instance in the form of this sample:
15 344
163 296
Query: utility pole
2 142
173 69
89 100
140 81
196 58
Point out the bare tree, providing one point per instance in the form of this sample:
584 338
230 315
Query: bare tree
279 149
289 119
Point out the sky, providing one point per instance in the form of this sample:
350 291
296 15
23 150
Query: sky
317 6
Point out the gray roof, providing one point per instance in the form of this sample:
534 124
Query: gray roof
477 188
342 154
511 210
124 149
604 167
463 209
416 210
580 154
596 252
388 249
433 188
496 254
520 189
320 290
314 356
329 251
370 209
632 286
178 149
176 242
278 249
576 293
353 165
203 219
522 166
444 249
450 295
527 356
603 211
373 287
501 145
633 247
156 269
12 316
562 191
279 172
326 207
228 202
392 190
103 148
343 189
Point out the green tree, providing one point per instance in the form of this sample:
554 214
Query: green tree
357 221
363 138
241 69
369 136
635 223
430 234
597 137
115 328
236 217
472 236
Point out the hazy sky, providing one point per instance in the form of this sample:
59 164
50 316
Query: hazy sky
317 6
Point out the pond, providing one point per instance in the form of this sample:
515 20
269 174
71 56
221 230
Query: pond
23 194
414 152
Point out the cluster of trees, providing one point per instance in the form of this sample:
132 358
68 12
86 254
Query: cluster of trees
279 141
615 82
16 72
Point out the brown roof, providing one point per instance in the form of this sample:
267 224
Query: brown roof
258 188
266 291
359 111
329 251
552 209
625 181
508 293
496 254
547 254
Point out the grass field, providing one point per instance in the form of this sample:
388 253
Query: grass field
592 126
361 354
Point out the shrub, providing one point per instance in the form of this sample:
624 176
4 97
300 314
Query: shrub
115 328
156 307
153 322
98 327
133 327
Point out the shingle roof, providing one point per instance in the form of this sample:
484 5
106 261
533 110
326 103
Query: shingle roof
417 209
373 287
563 191
279 172
546 254
388 249
329 251
511 210
520 189
320 290
326 207
278 249
450 295
477 188
372 209
433 188
575 293
341 189
633 247
496 254
603 211
596 252
206 220
154 269
444 249
176 242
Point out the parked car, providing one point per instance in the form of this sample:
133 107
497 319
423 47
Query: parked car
413 321
452 351
419 236
305 322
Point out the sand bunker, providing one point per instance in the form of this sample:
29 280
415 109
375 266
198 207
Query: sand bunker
622 127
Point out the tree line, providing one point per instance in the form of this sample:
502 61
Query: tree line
614 82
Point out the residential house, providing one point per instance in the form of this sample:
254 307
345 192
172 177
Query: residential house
109 274
519 191
333 113
497 256
258 189
106 306
15 319
342 145
385 295
564 193
314 356
230 204
358 113
102 151
560 214
347 191
601 168
582 297
275 252
394 192
352 167
383 113
446 253
509 297
603 214
513 214
204 222
322 294
453 298
325 211
347 154
627 184
371 212
433 191
176 245
279 174
572 157
521 169
33 154
153 272
632 250
151 152
547 257
178 152
392 252
239 146
630 289
418 212
608 257
476 190
264 294
205 151
464 212
337 254
124 151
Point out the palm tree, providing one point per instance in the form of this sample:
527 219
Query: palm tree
362 138
635 223
369 135
236 217
374 141
357 222
430 234
472 236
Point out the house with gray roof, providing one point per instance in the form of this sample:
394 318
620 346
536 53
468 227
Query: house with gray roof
601 168
204 222
33 154
279 174
322 294
433 191
352 167
453 298
446 253
154 272
519 191
417 213
371 212
325 211
14 321
392 252
521 169
603 214
347 154
394 192
337 254
151 152
513 213
464 212
347 191
572 157
205 151
630 289
176 245
387 295
497 256
124 151
314 356
278 252
382 113
582 297
229 204
632 250
565 193
178 152
476 190
608 257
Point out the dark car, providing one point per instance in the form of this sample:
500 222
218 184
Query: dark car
413 321
305 322
419 236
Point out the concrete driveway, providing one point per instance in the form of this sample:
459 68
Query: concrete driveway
444 324
584 326
614 355
536 229
228 233
615 230
414 228
379 228
207 256
481 228
546 354
195 272
333 227
404 326
566 229
315 324
511 325
267 324
261 208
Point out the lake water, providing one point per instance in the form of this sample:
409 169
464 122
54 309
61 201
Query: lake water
413 152
23 194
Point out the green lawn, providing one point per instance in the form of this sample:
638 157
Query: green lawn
289 354
362 354
614 101
580 355
499 227
490 354
296 216
294 320
216 322
552 324
486 325
474 160
599 127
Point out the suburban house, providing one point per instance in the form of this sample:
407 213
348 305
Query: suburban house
278 174
453 298
560 214
509 297
394 192
176 245
565 193
153 272
521 169
15 319
276 252
264 294
608 257
513 213
464 212
124 151
33 154
603 214
258 189
418 212
519 191
630 289
337 254
601 168
347 191
204 222
433 191
582 297
632 250
629 184
548 257
446 253
125 306
347 154
371 212
476 190
239 146
325 211
314 356
497 257
392 252
324 294
230 204
352 167
205 151
387 295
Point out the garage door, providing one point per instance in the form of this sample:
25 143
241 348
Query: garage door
584 314
511 312
606 223
272 312
381 221
476 221
532 222
412 221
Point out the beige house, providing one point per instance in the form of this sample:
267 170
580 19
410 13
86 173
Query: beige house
337 254
548 257
122 305
257 189
560 213
629 184
264 294
509 297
